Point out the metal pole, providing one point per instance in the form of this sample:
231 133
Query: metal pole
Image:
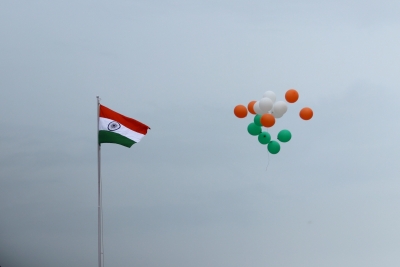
99 186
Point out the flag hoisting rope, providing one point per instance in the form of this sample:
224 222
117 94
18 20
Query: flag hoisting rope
113 127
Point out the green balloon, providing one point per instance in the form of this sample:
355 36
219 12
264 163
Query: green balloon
274 147
257 120
284 136
254 129
264 138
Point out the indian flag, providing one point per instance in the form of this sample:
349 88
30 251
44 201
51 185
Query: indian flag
118 129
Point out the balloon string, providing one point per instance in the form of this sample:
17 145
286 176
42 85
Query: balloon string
266 169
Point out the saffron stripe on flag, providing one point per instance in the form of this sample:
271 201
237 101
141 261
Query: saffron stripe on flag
130 123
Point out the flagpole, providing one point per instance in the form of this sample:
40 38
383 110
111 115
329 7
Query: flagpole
99 210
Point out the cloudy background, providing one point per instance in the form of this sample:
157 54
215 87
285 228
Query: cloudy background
197 191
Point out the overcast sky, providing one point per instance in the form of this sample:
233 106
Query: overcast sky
195 191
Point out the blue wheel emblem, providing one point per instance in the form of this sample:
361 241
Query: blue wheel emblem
113 126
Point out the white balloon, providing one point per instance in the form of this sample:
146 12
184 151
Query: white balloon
277 115
271 95
257 109
265 104
279 108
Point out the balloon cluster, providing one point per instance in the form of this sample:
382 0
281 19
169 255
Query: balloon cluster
266 110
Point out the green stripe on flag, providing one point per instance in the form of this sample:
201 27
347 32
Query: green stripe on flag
114 138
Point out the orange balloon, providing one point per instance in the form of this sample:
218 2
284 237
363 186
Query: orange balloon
306 113
250 107
267 120
291 96
240 111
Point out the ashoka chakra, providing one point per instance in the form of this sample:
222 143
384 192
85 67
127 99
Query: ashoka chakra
113 126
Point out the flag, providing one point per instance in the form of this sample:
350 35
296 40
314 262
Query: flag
118 129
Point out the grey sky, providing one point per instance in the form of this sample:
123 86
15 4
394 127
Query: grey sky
195 192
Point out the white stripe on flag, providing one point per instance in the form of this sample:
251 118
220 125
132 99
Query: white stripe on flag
128 133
